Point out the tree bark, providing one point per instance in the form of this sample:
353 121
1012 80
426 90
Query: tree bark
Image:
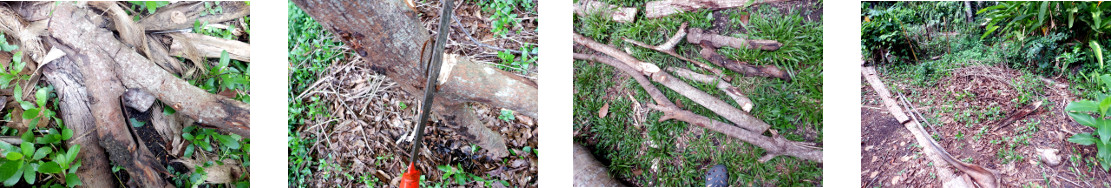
589 172
618 14
697 36
744 68
661 8
74 109
88 43
725 87
389 35
182 15
208 46
113 132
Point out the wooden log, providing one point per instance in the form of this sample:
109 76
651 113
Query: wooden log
208 46
615 13
725 87
697 36
709 53
85 44
669 48
73 103
388 35
773 146
661 8
589 172
182 15
85 39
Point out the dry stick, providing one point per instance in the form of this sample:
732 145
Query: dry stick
661 8
183 15
669 48
716 105
746 69
75 111
618 14
468 33
656 94
982 176
733 92
697 36
210 47
774 146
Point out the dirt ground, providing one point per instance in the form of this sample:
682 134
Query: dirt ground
370 114
897 160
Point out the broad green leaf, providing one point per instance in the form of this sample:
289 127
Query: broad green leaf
14 177
1083 119
189 151
31 113
67 133
71 153
28 148
227 141
41 152
1083 139
40 96
9 168
14 156
1104 130
1098 51
7 147
29 173
50 168
72 180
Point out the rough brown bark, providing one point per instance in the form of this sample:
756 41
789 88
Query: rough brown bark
656 94
85 40
618 14
669 48
182 15
388 35
730 90
716 105
661 8
473 129
208 46
589 172
697 36
74 109
746 69
773 146
113 132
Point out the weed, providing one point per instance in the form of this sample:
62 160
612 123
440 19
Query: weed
149 6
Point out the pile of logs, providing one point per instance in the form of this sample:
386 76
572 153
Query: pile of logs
94 52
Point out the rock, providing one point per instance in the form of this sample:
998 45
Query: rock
138 99
1049 156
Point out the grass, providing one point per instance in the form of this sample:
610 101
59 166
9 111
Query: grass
786 105
311 50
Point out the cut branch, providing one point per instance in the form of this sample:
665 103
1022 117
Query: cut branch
669 48
208 46
656 94
730 90
774 146
746 69
661 8
618 14
697 36
183 15
390 37
716 105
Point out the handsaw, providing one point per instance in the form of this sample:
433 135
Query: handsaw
411 178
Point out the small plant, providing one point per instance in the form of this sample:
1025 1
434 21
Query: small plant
30 159
503 18
228 75
1082 111
461 178
507 115
150 6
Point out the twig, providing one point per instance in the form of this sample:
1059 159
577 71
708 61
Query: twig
669 48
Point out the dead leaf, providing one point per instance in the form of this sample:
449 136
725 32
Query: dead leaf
605 110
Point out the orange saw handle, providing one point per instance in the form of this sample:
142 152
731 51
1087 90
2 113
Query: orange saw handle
411 178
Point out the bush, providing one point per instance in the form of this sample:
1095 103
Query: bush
1082 111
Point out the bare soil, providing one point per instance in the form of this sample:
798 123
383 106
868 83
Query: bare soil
891 157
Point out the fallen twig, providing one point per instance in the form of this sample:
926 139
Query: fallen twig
669 48
746 69
697 36
730 90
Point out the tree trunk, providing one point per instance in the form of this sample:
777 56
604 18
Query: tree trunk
388 35
74 109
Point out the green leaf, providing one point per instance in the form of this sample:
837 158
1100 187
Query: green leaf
72 180
10 168
41 152
1083 119
28 148
227 141
189 151
14 177
8 147
17 61
40 96
50 168
14 156
136 123
71 153
991 29
1041 12
67 133
31 113
29 173
1104 130
1098 51
1083 139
